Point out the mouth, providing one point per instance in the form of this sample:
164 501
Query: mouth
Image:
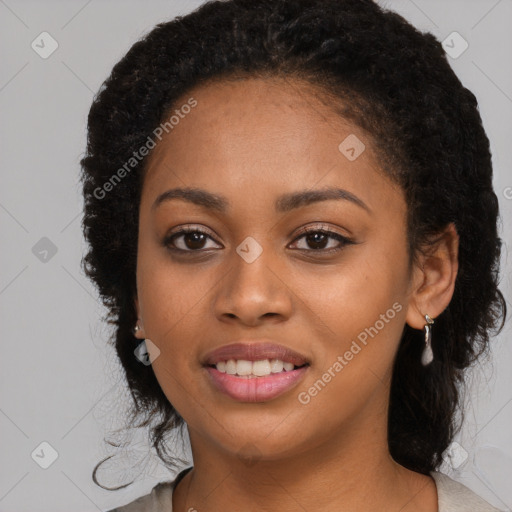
254 369
254 352
255 372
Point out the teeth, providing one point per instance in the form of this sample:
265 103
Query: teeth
288 367
276 365
261 368
230 367
243 367
246 368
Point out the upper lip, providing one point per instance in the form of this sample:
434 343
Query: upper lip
254 351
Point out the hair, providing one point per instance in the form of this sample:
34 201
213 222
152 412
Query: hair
372 67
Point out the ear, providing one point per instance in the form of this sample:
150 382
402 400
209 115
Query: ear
140 334
434 277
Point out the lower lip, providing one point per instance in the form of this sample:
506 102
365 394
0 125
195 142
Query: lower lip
256 389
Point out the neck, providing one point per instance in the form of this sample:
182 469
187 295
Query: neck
353 470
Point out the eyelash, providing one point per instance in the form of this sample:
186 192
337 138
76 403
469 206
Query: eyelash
344 241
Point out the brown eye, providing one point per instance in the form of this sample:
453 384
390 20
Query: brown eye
317 240
194 240
187 240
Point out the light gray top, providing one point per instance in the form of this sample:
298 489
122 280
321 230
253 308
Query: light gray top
452 497
455 497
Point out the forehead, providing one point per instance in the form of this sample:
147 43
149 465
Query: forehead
252 116
260 135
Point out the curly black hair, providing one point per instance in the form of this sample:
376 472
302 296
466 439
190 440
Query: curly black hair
372 67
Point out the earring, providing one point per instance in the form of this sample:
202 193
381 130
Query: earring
427 356
136 329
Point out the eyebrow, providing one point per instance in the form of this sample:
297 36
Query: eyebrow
283 204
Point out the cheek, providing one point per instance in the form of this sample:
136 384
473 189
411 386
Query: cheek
357 292
363 306
173 319
364 301
172 300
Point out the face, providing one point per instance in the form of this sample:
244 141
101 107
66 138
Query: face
337 294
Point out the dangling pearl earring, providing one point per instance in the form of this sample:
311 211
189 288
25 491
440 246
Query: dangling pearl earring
427 356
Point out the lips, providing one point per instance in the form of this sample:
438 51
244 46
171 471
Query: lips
258 389
254 351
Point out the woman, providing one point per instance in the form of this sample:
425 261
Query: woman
289 206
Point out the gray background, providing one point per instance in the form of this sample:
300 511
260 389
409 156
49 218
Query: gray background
60 383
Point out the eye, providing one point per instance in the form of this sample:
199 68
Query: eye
318 239
193 239
187 240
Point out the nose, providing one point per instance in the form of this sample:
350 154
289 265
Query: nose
254 293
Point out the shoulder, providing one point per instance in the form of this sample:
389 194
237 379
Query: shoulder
456 497
158 500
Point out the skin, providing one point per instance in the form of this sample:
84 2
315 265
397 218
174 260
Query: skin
251 141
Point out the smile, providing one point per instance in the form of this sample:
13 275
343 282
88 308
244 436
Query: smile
251 387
